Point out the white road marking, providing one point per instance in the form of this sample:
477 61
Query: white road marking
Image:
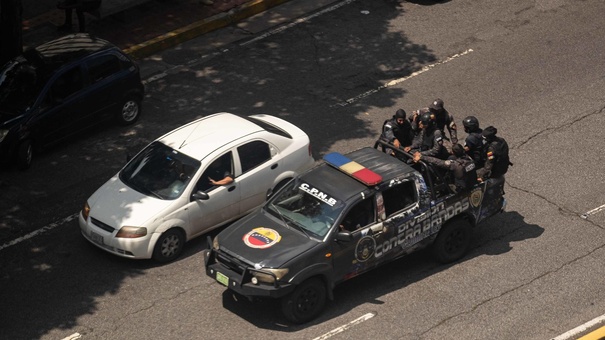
39 231
345 327
593 211
401 80
572 334
297 21
74 336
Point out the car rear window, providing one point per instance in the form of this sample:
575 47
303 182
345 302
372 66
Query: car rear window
268 127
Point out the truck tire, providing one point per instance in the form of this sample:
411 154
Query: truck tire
453 241
305 302
169 246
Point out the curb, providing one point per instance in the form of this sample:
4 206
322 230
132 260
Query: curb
201 27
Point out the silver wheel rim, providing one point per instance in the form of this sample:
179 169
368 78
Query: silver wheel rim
170 246
130 110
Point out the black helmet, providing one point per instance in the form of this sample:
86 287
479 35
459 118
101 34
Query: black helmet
427 119
400 114
489 133
471 123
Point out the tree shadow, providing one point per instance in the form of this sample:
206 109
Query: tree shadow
306 76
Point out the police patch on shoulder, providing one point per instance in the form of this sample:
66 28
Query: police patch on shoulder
476 197
261 238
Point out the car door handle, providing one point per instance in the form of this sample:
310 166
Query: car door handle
274 166
231 188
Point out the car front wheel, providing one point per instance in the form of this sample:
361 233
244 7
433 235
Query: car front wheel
169 246
305 302
130 110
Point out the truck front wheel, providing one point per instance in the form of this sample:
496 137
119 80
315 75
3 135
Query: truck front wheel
453 241
305 302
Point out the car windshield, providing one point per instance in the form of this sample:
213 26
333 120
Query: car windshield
306 208
159 171
20 84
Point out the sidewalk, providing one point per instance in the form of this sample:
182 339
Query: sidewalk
147 28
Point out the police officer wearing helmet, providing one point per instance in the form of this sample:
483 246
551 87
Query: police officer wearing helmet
459 164
397 131
495 155
473 144
444 119
429 142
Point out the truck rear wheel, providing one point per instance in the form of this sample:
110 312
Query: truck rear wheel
453 241
305 302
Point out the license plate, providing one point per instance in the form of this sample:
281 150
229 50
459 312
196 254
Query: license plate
96 238
222 278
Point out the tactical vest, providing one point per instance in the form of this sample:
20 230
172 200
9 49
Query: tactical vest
465 174
501 158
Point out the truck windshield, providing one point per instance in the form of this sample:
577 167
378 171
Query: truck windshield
306 207
159 171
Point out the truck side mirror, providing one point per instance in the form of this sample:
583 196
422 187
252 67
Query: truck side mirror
344 236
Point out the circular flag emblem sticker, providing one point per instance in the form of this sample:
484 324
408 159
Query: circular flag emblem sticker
261 238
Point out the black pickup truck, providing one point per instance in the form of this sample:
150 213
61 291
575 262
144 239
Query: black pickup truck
340 219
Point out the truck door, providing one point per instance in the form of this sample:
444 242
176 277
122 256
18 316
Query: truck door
356 255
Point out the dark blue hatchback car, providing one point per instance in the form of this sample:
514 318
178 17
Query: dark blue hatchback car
62 87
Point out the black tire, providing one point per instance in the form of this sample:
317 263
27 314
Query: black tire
25 153
278 186
169 246
129 111
453 241
306 302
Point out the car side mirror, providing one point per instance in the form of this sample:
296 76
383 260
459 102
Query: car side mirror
344 236
200 195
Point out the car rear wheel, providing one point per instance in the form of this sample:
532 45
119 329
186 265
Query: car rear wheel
453 241
305 302
25 153
130 110
169 246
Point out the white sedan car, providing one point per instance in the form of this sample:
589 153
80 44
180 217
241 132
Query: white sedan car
192 180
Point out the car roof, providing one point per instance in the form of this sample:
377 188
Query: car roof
201 137
69 48
330 179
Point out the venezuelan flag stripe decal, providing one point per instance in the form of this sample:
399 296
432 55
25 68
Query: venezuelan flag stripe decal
353 169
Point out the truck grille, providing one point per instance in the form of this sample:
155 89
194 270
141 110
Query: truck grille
230 262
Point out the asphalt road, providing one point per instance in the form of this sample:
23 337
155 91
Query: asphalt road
532 68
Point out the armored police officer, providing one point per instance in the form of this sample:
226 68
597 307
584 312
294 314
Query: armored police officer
429 141
473 144
397 131
443 119
459 164
495 155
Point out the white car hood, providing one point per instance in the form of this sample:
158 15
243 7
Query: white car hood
117 205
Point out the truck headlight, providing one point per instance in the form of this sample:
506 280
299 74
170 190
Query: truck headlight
266 277
131 232
215 244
